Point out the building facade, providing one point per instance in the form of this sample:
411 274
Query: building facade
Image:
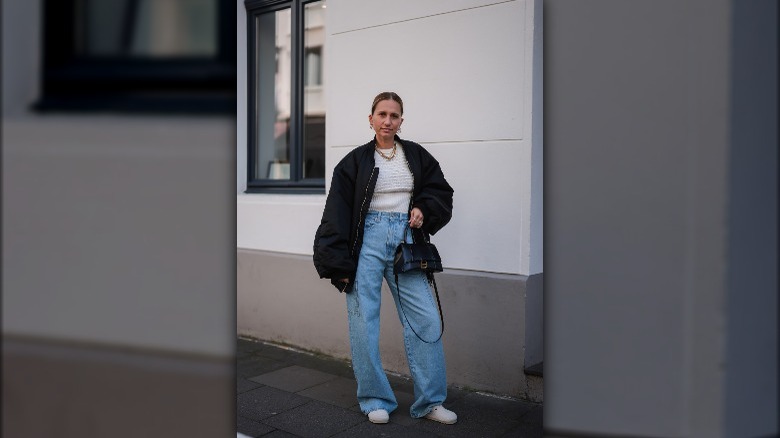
470 76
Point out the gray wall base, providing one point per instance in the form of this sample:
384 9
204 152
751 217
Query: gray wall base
281 299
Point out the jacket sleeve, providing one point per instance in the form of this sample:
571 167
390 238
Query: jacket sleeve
435 196
332 257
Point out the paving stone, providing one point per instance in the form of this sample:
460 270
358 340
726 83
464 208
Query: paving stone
243 385
258 404
280 434
315 420
257 366
401 414
512 409
242 354
252 428
323 363
283 354
325 403
526 430
340 392
242 342
327 365
246 346
390 430
293 378
454 394
535 415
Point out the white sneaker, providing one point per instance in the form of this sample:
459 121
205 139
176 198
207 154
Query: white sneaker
379 416
442 415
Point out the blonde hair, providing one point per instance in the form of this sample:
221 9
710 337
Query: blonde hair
387 95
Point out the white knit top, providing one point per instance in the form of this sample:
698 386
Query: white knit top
393 189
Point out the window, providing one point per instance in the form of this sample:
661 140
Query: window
313 66
139 55
286 150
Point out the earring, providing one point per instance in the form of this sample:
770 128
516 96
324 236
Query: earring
399 129
370 127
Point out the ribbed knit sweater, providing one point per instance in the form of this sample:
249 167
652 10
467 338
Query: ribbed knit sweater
394 183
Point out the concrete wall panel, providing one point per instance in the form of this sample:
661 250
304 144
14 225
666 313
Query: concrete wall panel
460 75
487 228
281 298
282 223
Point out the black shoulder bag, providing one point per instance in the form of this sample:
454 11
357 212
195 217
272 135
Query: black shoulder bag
420 255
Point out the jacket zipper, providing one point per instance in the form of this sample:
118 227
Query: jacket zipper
360 214
411 198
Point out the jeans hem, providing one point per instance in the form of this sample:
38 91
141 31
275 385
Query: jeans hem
427 411
389 410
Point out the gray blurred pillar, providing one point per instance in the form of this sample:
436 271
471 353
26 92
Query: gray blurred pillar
661 218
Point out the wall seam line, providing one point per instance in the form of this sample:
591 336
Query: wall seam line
420 18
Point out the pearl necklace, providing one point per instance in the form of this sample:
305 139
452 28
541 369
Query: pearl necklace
387 157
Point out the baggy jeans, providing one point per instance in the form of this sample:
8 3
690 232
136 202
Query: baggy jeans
383 232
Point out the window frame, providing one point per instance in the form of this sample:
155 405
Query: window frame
296 183
189 85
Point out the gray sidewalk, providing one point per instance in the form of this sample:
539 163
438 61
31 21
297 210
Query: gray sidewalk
286 393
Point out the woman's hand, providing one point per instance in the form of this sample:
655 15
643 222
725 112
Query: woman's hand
415 218
344 280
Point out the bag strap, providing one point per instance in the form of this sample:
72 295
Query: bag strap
424 237
432 280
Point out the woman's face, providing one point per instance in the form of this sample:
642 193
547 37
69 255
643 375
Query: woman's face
386 119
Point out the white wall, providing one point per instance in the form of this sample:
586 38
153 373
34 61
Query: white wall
465 72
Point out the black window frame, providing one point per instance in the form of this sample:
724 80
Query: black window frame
189 85
296 183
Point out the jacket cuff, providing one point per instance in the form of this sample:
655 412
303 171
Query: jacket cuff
340 285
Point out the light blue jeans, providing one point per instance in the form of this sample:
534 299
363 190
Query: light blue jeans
382 233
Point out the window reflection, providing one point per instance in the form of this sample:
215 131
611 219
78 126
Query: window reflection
147 28
314 92
273 95
276 116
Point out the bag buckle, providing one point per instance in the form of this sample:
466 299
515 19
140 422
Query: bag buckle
424 264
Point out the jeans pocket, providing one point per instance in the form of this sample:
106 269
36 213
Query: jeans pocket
370 222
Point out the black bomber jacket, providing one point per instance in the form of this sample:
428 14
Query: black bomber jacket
339 237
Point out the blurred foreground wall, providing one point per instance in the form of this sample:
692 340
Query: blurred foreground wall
117 281
661 165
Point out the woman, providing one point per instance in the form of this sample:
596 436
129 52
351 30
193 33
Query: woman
378 191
